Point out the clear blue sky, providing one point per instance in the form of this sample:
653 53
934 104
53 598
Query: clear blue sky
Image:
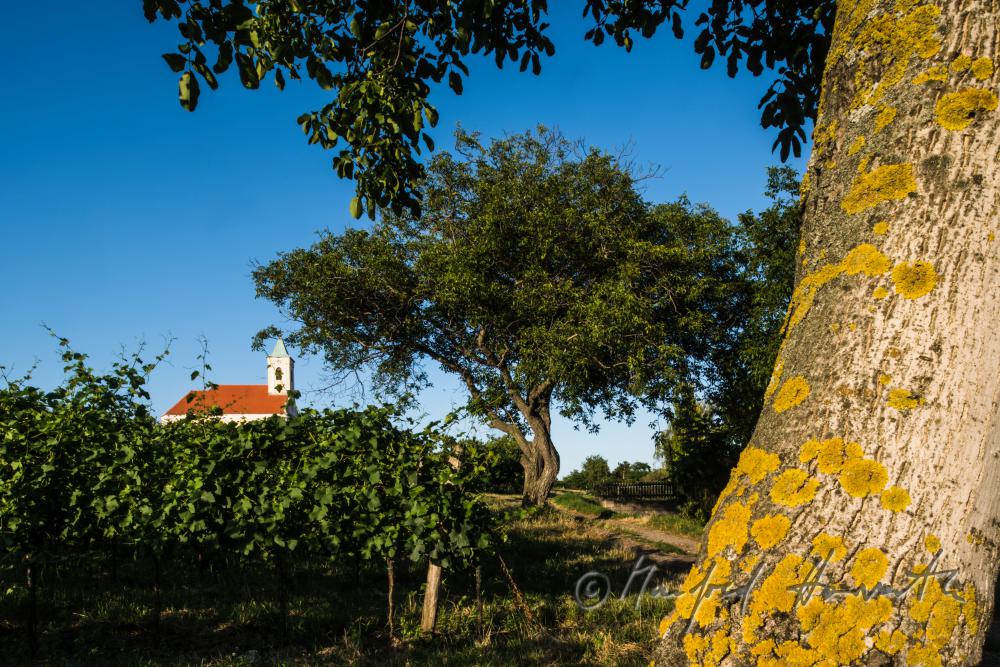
126 218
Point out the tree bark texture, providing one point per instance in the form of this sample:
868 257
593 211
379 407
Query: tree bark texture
861 523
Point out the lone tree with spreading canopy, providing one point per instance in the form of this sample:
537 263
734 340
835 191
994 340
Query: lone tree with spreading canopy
872 468
536 274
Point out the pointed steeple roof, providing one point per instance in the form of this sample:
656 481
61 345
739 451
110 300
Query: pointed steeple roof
279 350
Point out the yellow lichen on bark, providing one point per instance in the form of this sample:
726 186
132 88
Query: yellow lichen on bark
829 547
939 73
866 259
792 392
731 528
770 530
961 63
956 111
914 279
772 385
869 567
903 399
889 39
895 499
982 68
885 117
857 145
886 183
863 477
880 228
794 487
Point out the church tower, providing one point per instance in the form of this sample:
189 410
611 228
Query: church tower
280 371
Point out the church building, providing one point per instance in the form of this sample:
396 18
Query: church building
245 402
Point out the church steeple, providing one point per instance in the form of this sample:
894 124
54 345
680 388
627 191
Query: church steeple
280 370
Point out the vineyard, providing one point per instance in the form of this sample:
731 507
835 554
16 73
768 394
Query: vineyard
89 481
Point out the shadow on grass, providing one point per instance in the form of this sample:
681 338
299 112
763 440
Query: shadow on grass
228 614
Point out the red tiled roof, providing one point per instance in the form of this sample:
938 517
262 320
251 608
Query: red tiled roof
234 399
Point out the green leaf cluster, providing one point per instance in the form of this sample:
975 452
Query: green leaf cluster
377 59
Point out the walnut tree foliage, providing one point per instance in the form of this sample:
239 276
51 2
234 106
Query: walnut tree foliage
713 416
379 58
536 274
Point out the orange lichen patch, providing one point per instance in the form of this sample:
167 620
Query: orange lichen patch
852 326
792 392
880 293
770 530
829 546
802 246
895 499
665 624
869 567
793 487
991 237
880 228
886 183
730 529
884 379
835 327
914 280
857 145
956 111
961 63
863 477
982 68
939 73
885 117
903 399
932 544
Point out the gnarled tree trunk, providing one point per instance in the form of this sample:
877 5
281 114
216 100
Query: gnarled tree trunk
874 466
541 467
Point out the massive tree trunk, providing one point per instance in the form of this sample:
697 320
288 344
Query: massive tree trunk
874 466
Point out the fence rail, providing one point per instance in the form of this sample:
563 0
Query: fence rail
637 491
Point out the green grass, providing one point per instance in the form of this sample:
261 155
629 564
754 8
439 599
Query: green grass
677 523
218 613
581 502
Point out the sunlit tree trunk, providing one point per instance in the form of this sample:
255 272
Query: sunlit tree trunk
876 456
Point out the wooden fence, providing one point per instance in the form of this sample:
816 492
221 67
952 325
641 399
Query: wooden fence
637 491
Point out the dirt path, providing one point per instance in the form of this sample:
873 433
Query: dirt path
637 525
631 534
